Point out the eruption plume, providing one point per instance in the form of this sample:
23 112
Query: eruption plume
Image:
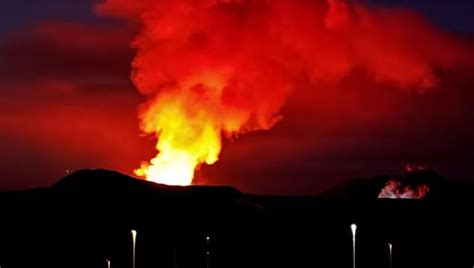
214 69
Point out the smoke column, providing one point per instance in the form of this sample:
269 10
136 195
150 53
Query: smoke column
216 69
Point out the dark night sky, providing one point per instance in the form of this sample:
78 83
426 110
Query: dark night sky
66 103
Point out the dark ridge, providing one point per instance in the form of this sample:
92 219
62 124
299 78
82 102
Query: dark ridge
369 189
87 216
106 181
357 189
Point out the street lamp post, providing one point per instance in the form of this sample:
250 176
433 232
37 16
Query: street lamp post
354 230
134 244
207 251
390 248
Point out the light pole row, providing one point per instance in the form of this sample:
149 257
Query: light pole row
134 243
354 232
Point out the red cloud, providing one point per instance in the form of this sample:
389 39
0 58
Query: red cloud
233 64
67 102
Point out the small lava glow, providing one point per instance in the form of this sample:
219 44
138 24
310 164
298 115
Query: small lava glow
394 189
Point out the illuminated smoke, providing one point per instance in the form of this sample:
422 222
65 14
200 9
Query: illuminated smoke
215 69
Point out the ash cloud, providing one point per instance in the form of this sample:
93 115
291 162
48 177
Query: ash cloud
237 62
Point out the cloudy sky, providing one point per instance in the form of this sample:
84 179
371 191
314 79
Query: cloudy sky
67 103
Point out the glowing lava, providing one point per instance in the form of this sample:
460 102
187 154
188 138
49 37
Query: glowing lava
188 131
394 189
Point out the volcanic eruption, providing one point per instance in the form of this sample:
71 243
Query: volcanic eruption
404 189
218 69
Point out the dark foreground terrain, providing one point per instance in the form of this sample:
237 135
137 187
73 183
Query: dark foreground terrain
86 218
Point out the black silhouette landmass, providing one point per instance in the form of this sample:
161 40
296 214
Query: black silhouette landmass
86 218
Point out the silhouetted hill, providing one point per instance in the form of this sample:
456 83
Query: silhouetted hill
105 181
440 188
87 216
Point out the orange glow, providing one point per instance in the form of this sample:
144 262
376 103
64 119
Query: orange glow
186 137
188 122
222 68
394 189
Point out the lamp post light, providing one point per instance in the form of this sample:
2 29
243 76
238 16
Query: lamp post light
134 244
390 248
354 230
207 251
